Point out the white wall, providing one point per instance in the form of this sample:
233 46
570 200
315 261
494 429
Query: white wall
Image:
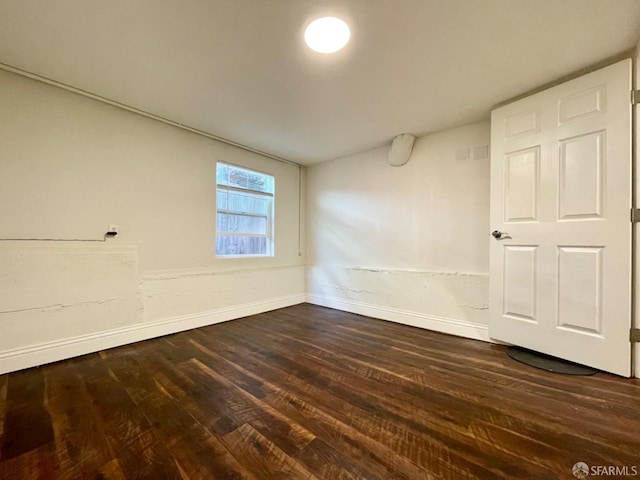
407 244
69 167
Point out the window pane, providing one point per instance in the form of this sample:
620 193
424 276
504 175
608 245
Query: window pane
229 222
260 182
242 178
232 245
222 172
222 224
222 199
238 177
240 202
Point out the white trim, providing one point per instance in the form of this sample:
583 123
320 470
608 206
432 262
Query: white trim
34 355
461 328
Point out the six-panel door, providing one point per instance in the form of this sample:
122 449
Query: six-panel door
561 195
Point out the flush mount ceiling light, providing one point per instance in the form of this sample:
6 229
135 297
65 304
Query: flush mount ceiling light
327 35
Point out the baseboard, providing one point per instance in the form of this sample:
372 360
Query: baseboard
34 355
460 328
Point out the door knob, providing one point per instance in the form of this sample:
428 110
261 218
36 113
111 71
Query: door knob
498 235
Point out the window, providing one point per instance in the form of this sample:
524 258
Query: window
245 211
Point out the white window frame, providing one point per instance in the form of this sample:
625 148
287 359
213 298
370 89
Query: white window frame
269 235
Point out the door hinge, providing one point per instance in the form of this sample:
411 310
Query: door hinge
635 97
635 215
634 335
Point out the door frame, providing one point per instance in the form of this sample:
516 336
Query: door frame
635 233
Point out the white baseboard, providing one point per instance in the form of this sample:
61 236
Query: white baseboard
34 355
40 354
460 328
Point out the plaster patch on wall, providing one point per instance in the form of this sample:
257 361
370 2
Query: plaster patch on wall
478 307
454 295
54 290
167 294
181 274
364 269
61 306
416 272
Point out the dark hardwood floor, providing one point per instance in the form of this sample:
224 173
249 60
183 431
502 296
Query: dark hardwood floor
307 392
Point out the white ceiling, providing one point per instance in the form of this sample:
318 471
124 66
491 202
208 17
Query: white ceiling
239 69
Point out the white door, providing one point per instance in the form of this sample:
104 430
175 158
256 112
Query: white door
560 274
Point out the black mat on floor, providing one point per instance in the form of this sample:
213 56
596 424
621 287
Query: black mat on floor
548 363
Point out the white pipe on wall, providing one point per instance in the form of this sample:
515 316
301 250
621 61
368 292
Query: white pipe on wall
137 111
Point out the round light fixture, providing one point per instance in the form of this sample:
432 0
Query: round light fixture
327 34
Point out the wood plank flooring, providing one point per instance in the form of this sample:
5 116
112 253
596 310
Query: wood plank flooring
311 393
